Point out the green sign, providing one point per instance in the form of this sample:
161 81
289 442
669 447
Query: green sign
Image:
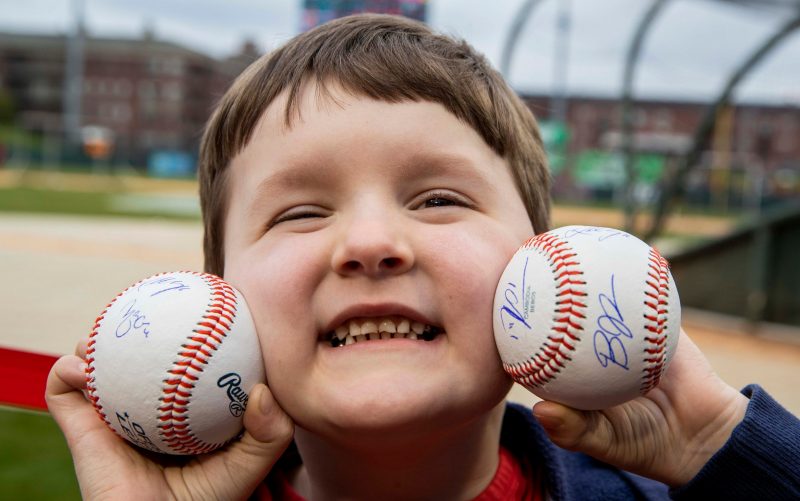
555 136
602 169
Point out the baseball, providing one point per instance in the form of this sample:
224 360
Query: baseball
171 361
586 316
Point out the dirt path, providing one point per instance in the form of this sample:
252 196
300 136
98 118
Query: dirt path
693 225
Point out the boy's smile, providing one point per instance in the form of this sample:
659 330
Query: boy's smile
384 327
368 238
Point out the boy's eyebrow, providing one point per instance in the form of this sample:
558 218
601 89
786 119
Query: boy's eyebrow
426 163
419 165
292 177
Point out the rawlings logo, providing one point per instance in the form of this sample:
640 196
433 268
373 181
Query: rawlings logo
238 397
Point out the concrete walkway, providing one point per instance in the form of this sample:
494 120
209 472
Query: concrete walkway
59 272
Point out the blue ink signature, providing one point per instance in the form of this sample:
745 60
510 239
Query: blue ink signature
135 432
165 284
133 320
611 329
604 233
510 307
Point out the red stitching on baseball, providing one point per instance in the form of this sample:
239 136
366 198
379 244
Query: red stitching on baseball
200 346
568 316
656 321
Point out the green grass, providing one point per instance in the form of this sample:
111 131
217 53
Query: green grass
34 460
42 200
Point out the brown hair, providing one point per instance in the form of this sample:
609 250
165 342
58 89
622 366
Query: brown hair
381 57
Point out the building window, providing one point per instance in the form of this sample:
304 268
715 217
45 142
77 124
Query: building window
154 65
120 112
788 132
147 89
640 119
121 88
149 110
663 120
172 91
173 66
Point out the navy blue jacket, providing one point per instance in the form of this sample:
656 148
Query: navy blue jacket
761 461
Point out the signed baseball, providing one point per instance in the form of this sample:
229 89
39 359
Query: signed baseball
586 316
171 361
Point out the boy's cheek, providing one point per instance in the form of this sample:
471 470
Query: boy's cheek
483 256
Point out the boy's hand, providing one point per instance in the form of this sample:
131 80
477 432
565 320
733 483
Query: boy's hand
668 434
108 467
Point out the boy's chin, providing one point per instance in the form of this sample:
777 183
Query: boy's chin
392 410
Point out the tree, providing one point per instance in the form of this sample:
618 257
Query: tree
7 108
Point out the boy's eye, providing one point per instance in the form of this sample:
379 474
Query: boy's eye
442 199
297 213
439 202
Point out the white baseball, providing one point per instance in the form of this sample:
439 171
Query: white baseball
171 361
586 316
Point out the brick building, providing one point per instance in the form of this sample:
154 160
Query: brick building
155 95
755 147
151 94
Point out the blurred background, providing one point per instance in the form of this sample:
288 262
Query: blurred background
676 120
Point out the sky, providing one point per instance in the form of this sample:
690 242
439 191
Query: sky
690 52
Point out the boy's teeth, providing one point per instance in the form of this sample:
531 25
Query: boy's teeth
359 331
404 326
369 327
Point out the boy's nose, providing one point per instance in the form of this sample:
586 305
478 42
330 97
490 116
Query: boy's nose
373 247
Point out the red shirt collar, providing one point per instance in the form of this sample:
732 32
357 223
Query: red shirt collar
512 482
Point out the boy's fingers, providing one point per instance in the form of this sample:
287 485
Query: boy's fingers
268 431
572 429
66 402
66 379
80 349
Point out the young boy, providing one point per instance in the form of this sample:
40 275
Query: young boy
364 187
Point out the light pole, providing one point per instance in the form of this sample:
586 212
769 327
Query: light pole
73 76
558 106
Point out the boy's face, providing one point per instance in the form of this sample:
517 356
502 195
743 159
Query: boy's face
368 214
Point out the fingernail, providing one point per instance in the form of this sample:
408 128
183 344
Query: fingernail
263 402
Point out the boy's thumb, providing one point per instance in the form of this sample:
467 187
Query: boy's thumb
583 431
264 419
268 431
